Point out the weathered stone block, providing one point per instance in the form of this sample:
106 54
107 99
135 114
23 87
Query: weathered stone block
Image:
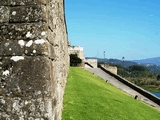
45 1
11 48
44 15
25 92
38 47
26 14
13 32
23 31
21 81
23 2
51 52
4 14
17 2
3 32
37 30
4 2
51 36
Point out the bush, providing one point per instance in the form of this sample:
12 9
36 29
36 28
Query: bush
74 60
137 68
158 77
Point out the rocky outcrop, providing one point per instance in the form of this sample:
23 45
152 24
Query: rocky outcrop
34 59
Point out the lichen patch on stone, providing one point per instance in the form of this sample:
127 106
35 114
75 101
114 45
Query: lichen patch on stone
34 51
29 43
28 34
6 44
2 101
21 43
40 41
14 13
17 58
43 33
6 72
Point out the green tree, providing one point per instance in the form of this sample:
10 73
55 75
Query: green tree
158 77
75 60
137 68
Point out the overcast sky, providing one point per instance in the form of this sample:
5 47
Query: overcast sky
129 28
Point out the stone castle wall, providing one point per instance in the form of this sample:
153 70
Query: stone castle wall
34 59
110 68
77 50
92 62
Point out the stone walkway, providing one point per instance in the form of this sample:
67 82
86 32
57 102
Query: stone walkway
123 87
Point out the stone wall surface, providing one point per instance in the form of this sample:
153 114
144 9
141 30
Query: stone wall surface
110 68
77 50
34 59
92 62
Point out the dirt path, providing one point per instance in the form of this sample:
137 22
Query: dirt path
123 87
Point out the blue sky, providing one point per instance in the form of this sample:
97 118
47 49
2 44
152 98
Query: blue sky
129 28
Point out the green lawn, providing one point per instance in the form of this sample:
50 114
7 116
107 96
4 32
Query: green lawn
87 97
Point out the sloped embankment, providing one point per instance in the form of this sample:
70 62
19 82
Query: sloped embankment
87 97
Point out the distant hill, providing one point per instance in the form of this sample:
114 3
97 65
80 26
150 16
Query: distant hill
152 67
152 64
114 61
155 60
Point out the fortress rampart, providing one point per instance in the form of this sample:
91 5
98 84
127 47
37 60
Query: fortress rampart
77 50
92 62
110 68
34 59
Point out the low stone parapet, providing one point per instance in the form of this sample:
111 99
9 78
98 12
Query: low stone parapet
92 62
133 86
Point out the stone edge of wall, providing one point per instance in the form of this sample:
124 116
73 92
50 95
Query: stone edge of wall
65 22
133 86
88 64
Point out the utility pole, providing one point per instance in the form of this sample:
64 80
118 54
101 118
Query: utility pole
104 58
123 65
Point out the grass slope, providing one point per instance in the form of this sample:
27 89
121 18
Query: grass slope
87 97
